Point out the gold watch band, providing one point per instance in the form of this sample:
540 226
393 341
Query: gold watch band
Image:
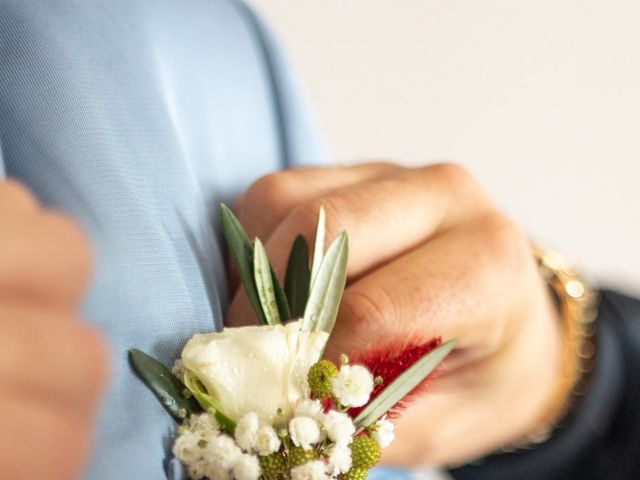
577 306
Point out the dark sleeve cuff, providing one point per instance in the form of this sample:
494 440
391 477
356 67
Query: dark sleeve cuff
600 438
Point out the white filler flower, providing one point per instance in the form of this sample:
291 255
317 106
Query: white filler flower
339 427
314 470
304 432
267 441
246 468
246 432
339 459
353 385
384 433
259 369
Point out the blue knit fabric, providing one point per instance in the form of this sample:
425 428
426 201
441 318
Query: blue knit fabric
137 117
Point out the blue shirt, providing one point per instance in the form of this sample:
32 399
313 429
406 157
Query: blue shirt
137 117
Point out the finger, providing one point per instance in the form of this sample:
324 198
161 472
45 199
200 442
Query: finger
14 197
452 287
268 201
51 356
45 259
40 441
383 217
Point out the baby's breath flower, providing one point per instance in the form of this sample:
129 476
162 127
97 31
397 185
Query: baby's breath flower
186 448
365 452
320 376
216 472
178 368
383 433
304 432
222 451
246 432
247 467
314 470
339 459
267 441
203 423
309 408
339 427
353 385
196 470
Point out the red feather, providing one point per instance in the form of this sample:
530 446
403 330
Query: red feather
388 362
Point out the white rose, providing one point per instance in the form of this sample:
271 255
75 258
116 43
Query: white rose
267 441
353 385
339 427
314 470
384 433
259 369
304 432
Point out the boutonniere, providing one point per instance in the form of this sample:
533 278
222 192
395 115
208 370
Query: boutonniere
261 402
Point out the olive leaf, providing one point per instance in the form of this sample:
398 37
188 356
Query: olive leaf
163 384
264 283
199 391
326 291
318 246
296 280
402 385
242 252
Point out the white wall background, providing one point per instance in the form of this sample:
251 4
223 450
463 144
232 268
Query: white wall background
539 98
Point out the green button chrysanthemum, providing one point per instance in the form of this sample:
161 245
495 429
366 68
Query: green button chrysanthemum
365 452
355 474
274 466
320 376
298 456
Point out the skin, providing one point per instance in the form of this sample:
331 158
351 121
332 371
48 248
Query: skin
52 367
430 255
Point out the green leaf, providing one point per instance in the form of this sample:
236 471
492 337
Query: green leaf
164 384
242 252
281 297
296 280
406 381
264 283
318 246
326 291
206 401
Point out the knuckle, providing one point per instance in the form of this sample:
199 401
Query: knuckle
507 243
272 189
367 310
452 172
457 178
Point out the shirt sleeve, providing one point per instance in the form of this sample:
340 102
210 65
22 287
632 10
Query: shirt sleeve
599 439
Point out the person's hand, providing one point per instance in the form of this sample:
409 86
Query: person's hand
429 256
52 367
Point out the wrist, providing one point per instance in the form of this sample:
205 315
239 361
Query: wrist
575 308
